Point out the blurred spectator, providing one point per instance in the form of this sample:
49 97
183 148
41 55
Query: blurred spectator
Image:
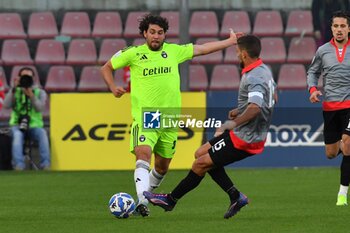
27 102
322 11
2 94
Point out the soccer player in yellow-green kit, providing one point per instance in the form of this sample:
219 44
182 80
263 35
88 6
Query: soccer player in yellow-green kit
155 83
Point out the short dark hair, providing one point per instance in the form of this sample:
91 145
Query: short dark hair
153 19
251 44
25 68
341 14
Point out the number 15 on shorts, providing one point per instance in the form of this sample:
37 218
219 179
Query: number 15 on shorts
218 146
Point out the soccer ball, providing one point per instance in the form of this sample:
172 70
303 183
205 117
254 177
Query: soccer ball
121 205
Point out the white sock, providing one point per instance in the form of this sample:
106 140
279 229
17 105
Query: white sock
154 180
343 190
141 179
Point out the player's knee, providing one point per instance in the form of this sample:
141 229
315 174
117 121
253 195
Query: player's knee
346 146
331 154
199 167
197 154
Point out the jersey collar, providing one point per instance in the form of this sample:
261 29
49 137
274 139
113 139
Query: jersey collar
340 58
252 66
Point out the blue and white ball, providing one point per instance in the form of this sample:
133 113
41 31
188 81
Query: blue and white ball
121 205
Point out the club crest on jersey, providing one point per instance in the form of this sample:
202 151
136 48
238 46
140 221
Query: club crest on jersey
142 138
164 54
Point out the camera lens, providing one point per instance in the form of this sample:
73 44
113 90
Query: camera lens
26 81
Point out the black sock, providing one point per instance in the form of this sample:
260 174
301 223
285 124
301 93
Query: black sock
345 171
220 176
190 182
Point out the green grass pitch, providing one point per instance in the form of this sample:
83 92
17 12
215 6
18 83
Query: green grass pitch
281 200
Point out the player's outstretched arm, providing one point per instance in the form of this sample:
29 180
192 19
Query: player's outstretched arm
107 74
214 46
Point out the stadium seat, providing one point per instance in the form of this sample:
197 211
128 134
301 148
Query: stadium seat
11 26
301 50
15 70
273 50
119 78
81 52
60 79
5 114
268 23
42 25
50 52
299 23
76 24
292 76
213 58
3 79
224 77
237 20
16 52
107 24
231 56
174 24
110 47
91 80
131 29
204 24
198 78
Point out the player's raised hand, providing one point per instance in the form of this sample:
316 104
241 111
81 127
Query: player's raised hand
235 35
314 96
118 91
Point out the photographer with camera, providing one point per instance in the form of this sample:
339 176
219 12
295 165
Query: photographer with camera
27 102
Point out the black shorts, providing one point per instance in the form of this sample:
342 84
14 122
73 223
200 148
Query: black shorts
336 123
223 152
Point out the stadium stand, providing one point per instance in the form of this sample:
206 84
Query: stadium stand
76 24
42 25
60 79
198 78
213 58
268 23
273 50
110 47
301 50
15 70
292 76
131 29
15 52
224 77
50 52
299 23
119 78
231 56
174 25
204 24
237 20
91 80
138 41
107 24
81 52
11 26
3 79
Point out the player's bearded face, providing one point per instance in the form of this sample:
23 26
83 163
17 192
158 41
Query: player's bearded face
154 36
